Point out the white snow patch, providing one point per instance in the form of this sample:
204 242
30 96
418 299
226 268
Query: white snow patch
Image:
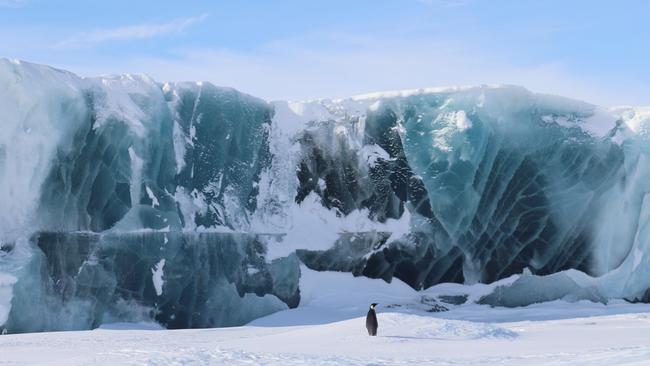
190 203
114 100
131 326
598 124
462 121
152 197
157 276
292 117
179 147
372 153
322 185
315 227
637 119
420 91
136 175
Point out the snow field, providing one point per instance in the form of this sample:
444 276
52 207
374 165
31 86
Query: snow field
328 329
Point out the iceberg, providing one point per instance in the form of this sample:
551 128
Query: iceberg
127 199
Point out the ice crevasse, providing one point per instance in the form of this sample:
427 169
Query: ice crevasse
194 205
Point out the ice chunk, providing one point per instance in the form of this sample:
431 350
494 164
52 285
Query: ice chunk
530 289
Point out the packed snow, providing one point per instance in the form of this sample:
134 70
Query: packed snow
329 329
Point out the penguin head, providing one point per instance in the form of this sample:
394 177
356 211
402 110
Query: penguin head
373 305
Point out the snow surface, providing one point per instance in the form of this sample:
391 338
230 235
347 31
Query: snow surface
328 329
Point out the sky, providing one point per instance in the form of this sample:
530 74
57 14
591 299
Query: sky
598 51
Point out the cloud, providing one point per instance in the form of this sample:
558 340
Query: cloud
132 32
339 64
12 3
447 3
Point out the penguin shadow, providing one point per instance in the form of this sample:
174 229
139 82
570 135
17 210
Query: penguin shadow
406 338
413 338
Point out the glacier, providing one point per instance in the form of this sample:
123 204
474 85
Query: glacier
127 199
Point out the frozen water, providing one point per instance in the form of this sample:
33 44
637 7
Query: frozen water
42 108
224 150
465 185
79 281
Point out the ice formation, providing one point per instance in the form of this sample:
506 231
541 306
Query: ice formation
126 199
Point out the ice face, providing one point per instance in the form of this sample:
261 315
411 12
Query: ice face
491 180
79 281
118 168
124 175
224 148
512 191
42 109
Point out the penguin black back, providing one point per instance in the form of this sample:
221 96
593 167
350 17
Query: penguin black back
371 320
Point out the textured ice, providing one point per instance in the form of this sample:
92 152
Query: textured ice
6 294
224 151
41 110
79 281
466 185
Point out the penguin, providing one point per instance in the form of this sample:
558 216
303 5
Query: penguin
371 320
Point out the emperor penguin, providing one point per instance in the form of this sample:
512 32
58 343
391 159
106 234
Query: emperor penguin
371 320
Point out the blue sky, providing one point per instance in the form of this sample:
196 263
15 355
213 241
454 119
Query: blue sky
594 50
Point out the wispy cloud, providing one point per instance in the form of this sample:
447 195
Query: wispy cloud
128 33
341 63
446 3
12 3
337 66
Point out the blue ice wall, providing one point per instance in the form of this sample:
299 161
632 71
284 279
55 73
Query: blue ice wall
194 205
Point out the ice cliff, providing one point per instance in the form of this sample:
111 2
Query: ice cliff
124 198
